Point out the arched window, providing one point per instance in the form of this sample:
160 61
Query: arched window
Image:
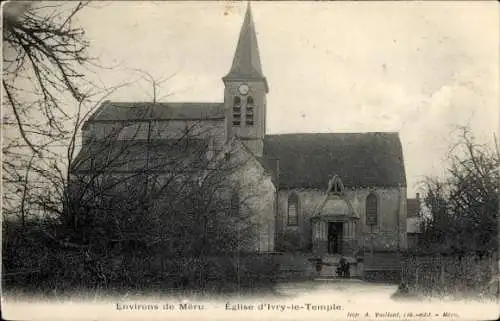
371 209
293 210
249 111
237 111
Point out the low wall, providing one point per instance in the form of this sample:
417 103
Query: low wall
294 266
377 267
384 267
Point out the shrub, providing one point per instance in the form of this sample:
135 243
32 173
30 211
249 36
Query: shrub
46 266
291 241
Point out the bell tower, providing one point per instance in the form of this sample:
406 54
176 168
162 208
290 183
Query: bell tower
245 91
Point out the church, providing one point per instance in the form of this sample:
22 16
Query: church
321 195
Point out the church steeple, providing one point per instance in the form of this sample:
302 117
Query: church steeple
245 91
246 62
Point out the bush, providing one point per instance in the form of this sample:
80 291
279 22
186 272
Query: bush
33 262
291 241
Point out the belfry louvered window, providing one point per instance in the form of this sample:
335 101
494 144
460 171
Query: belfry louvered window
293 210
371 209
249 111
237 111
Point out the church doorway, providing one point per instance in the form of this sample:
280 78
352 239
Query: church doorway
335 232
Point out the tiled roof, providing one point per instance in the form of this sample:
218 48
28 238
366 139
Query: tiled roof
360 159
133 156
130 111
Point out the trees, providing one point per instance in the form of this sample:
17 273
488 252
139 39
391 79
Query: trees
173 192
44 62
126 191
141 194
463 207
45 95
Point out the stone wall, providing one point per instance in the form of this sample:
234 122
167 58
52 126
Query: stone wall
382 237
257 196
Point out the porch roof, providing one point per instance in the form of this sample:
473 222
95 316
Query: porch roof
335 209
334 217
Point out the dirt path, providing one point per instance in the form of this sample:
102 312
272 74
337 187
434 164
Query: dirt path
311 300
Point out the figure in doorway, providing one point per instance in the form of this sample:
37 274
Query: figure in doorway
334 237
332 240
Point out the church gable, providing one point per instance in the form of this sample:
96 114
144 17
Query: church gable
256 192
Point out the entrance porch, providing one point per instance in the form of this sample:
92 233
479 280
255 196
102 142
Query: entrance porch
334 236
334 239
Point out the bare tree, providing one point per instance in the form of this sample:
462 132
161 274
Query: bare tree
164 186
103 193
463 207
142 185
44 60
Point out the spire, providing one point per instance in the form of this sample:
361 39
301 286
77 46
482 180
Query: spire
246 62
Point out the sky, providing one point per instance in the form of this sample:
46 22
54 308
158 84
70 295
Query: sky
420 69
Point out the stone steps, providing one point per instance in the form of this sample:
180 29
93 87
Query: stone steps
335 278
302 266
332 262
